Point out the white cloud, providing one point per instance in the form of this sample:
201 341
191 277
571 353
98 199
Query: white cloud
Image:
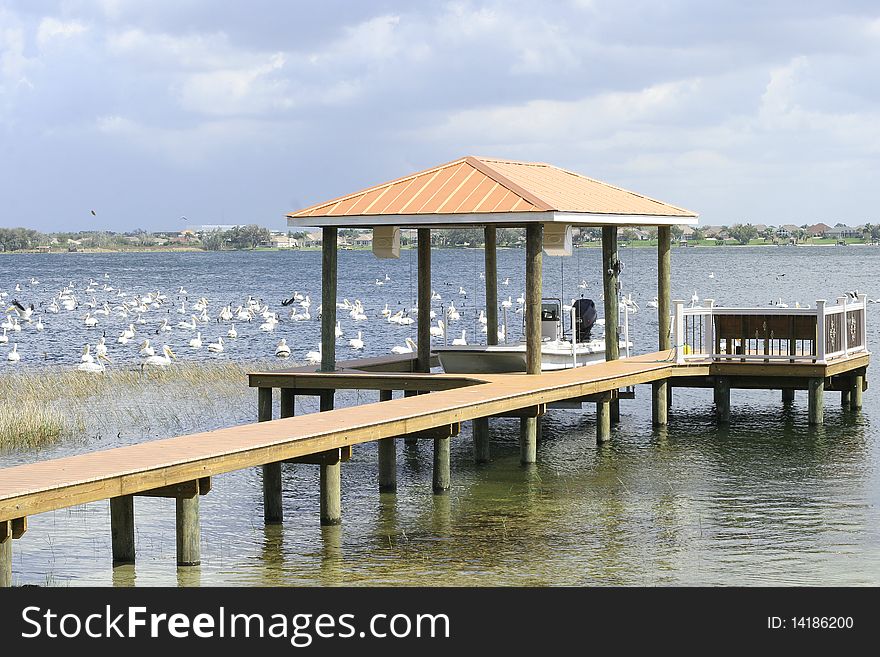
51 30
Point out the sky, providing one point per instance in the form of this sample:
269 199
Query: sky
168 113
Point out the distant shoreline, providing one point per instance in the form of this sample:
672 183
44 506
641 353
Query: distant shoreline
588 245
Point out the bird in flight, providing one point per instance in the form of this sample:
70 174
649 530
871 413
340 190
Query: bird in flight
94 214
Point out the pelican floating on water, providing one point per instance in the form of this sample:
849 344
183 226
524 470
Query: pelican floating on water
282 350
160 361
13 356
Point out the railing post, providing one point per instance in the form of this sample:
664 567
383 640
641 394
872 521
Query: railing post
841 301
709 329
678 336
863 300
820 331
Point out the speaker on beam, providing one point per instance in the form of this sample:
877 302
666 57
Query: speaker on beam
557 239
386 242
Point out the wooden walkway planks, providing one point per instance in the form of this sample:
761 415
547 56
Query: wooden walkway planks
59 483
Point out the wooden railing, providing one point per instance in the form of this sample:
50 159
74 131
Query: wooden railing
814 335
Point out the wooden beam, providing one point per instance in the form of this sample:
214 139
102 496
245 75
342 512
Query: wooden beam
664 285
443 431
273 509
328 299
330 457
424 293
528 411
490 254
5 553
200 486
532 310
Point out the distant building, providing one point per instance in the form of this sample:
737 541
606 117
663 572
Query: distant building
818 230
365 239
210 228
843 232
283 242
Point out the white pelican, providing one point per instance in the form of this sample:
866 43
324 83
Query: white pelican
502 333
583 284
711 274
101 347
147 349
15 325
387 277
408 349
182 309
694 299
164 326
462 340
282 350
461 291
3 337
437 331
378 282
13 356
385 312
232 333
435 296
269 324
653 303
103 310
86 355
521 299
243 314
314 357
160 361
216 347
225 314
452 313
507 303
181 290
93 367
39 325
338 330
129 332
196 342
358 342
189 325
7 324
307 302
89 321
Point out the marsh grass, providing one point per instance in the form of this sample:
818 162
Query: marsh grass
42 407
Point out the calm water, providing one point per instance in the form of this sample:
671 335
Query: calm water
767 501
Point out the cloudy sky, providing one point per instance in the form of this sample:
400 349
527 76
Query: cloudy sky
232 112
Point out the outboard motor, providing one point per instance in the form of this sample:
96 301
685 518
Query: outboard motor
584 319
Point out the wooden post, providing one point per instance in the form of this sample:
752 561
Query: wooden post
188 532
273 513
442 474
387 456
528 428
331 478
328 299
855 398
603 421
787 395
122 529
424 293
534 266
610 283
816 393
722 399
659 403
481 440
845 401
410 441
5 553
490 255
288 401
528 440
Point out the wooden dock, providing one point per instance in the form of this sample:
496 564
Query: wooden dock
182 467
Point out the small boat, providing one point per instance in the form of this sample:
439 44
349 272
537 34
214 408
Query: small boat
557 352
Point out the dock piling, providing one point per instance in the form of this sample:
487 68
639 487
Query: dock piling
603 421
659 404
787 395
122 529
855 399
5 553
387 456
442 471
273 513
331 478
481 440
188 531
845 399
722 399
816 400
528 440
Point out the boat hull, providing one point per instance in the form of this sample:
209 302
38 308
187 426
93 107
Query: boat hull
504 359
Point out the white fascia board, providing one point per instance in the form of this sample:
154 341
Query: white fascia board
481 218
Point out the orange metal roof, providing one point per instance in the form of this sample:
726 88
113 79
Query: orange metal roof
473 185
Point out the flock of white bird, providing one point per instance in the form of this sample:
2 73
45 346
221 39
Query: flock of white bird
137 327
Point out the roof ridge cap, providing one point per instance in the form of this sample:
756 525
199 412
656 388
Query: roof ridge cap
504 181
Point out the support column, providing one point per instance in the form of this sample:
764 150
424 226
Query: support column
410 441
603 421
722 399
855 398
188 532
331 479
481 440
387 456
442 470
610 286
787 395
273 513
122 529
491 275
5 553
660 403
328 299
528 439
816 393
845 401
424 318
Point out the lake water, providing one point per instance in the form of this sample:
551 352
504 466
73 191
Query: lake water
765 501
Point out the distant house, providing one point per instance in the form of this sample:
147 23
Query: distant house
716 232
44 248
687 233
364 239
312 239
283 242
843 232
788 230
818 230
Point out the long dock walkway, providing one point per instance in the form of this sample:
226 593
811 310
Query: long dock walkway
181 467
